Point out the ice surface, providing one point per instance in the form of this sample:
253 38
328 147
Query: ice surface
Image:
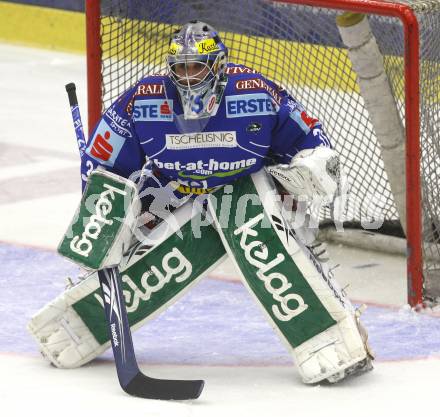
238 332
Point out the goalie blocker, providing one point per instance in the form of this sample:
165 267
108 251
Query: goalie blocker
300 298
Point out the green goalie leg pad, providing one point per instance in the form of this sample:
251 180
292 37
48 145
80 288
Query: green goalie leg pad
153 277
302 301
273 266
103 222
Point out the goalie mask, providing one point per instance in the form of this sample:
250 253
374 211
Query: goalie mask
196 60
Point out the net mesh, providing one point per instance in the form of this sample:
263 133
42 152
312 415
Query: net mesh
300 48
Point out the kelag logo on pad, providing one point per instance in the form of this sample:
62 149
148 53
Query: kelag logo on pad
243 105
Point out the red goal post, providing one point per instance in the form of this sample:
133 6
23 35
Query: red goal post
409 21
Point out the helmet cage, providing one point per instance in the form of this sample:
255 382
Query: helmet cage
193 72
196 86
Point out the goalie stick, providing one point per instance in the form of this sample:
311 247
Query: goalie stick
131 379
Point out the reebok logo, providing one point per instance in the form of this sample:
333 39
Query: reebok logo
114 334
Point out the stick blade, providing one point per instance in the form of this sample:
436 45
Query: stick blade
163 389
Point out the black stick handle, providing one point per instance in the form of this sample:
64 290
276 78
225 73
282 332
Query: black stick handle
76 116
71 92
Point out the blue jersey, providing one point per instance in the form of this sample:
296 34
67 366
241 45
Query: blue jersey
254 123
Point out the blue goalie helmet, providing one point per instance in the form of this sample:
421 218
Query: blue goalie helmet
196 60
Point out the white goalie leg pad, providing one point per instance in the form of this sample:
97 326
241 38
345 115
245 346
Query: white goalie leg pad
155 273
334 354
62 336
341 349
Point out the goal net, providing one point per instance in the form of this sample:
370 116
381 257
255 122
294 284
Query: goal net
300 47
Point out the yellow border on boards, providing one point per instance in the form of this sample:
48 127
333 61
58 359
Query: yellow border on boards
64 30
42 27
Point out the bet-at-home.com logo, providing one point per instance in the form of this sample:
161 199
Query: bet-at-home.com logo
275 283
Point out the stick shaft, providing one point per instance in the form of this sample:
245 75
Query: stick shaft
130 378
109 279
117 319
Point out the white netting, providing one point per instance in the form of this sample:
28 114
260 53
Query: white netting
300 48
